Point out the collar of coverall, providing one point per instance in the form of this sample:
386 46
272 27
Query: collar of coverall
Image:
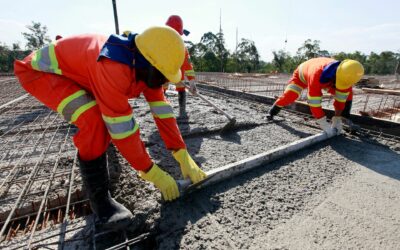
329 72
122 49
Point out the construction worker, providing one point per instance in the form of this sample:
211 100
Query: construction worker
88 79
176 23
337 77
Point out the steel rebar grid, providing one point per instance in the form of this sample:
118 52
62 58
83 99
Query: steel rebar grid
44 199
387 108
66 219
27 185
9 180
11 175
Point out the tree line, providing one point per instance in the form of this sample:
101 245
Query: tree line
211 55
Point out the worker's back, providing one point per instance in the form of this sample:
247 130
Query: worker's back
310 71
77 56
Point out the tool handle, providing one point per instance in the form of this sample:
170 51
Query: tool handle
183 185
209 102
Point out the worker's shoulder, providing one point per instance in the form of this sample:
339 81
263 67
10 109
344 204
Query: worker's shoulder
320 60
82 41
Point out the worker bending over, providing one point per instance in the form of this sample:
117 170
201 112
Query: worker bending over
88 80
337 77
176 23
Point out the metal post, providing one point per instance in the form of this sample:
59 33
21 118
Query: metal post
115 17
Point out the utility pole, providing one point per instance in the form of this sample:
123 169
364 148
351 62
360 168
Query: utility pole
220 37
236 55
115 17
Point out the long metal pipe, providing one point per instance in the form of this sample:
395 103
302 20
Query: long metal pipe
230 170
115 17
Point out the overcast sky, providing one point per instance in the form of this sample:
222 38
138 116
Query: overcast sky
340 25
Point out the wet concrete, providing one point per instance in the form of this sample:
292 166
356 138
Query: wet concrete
243 211
240 212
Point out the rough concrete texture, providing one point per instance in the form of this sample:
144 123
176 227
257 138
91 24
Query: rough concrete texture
13 90
242 212
252 210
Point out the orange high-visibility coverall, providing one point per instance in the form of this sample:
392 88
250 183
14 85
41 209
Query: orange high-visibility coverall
93 95
187 70
308 75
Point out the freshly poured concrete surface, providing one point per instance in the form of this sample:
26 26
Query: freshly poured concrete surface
253 209
245 211
361 213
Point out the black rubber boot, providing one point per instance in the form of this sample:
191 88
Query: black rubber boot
109 212
346 115
273 112
347 109
182 103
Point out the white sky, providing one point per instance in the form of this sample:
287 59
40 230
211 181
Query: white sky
340 25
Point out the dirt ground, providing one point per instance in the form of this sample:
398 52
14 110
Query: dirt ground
341 193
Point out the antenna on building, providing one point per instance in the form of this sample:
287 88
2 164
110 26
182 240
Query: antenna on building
220 37
220 21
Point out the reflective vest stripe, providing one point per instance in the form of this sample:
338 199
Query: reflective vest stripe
295 88
341 96
314 101
161 110
74 105
45 60
301 74
121 127
189 73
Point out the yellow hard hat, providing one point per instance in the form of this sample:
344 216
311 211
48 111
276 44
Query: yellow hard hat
163 47
348 73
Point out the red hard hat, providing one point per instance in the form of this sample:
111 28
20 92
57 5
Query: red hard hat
176 23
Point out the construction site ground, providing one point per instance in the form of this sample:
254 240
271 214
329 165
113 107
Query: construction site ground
340 194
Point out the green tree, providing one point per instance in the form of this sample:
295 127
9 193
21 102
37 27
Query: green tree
4 54
36 37
214 44
247 56
309 49
383 63
284 62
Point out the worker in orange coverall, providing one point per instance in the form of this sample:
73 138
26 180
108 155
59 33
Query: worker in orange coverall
176 23
88 80
337 77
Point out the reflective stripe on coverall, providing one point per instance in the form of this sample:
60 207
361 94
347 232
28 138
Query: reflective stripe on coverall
307 75
93 95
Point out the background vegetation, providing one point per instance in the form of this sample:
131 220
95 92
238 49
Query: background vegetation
211 55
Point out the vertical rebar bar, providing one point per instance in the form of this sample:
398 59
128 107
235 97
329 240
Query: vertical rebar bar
49 183
27 184
66 219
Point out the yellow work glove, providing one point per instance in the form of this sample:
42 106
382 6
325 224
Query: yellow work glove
163 181
189 168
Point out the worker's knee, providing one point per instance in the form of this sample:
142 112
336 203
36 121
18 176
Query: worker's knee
287 98
180 89
26 76
92 139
